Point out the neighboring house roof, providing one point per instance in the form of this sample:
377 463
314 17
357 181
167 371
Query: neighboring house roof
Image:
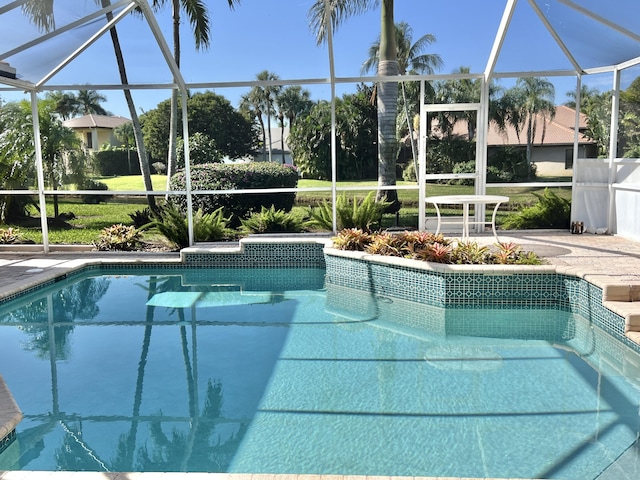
95 121
276 144
558 131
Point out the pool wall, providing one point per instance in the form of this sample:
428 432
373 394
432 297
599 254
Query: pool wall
472 286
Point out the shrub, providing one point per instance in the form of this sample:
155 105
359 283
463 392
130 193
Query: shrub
211 227
550 211
365 214
352 239
173 225
270 220
141 217
217 176
89 184
119 237
116 162
432 248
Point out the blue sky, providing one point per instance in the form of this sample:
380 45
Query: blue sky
274 35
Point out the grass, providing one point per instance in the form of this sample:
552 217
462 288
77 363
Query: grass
91 219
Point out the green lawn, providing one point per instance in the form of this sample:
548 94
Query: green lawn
91 219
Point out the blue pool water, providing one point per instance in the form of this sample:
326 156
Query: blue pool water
271 371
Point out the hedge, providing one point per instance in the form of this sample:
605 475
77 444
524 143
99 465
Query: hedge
116 162
254 175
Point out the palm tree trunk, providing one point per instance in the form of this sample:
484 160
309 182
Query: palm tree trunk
173 121
137 129
387 100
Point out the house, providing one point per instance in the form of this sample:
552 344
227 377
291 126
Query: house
96 130
553 153
279 148
552 150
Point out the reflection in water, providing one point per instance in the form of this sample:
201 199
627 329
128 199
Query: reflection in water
183 432
78 302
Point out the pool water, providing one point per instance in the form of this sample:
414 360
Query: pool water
189 371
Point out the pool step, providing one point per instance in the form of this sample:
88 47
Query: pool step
630 311
621 293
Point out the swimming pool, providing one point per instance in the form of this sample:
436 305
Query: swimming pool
277 371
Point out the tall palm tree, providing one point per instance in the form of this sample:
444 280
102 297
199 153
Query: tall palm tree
532 100
196 11
143 159
66 103
291 102
411 60
89 102
259 103
387 97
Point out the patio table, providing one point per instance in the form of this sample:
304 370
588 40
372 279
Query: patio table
465 201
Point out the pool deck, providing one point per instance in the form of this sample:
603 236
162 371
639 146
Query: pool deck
611 262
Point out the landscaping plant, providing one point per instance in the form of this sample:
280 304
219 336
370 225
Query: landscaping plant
270 220
119 237
429 247
550 211
365 214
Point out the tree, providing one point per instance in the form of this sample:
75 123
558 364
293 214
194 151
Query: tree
210 114
356 134
16 159
530 101
137 128
17 143
291 102
387 92
66 103
586 93
125 135
411 60
260 102
89 102
196 11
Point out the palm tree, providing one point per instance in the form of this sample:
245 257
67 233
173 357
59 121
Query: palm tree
196 11
89 102
260 102
586 94
66 103
387 97
137 128
531 100
291 102
411 60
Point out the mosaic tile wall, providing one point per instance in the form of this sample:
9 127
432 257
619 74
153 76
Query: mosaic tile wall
468 290
463 291
6 441
262 255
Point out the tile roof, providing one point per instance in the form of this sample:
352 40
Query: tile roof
559 131
95 121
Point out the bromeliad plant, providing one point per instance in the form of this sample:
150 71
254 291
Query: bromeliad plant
432 248
119 237
10 235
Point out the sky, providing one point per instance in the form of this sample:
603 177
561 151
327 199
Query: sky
274 35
